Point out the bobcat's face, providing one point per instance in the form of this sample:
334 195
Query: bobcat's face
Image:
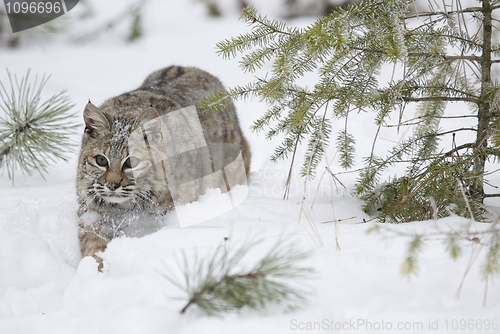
111 172
112 176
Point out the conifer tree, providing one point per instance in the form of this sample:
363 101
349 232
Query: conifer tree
445 55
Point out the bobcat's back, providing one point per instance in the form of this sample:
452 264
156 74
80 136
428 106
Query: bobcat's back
187 86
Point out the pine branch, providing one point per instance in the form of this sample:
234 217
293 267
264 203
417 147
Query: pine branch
33 133
449 89
440 98
249 14
448 13
424 54
263 31
217 283
345 145
458 148
491 195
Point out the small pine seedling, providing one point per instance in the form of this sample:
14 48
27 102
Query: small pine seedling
218 283
33 133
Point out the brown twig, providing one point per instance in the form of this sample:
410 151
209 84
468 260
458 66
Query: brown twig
4 151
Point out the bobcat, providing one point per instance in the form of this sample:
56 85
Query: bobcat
116 179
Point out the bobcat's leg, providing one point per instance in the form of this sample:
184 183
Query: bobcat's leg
93 239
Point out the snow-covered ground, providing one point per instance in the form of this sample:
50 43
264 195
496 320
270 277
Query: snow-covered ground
46 288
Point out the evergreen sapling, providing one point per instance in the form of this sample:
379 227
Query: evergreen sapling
221 282
33 132
440 56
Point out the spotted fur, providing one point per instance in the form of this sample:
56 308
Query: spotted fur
108 187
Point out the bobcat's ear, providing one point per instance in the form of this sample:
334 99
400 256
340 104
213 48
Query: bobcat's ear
150 118
94 118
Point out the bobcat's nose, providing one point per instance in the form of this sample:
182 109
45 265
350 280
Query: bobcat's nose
112 186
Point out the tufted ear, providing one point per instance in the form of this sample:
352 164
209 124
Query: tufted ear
94 119
150 119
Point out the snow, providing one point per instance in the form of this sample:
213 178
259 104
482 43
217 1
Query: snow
46 288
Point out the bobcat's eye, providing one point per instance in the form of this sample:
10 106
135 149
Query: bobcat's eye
101 160
131 162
